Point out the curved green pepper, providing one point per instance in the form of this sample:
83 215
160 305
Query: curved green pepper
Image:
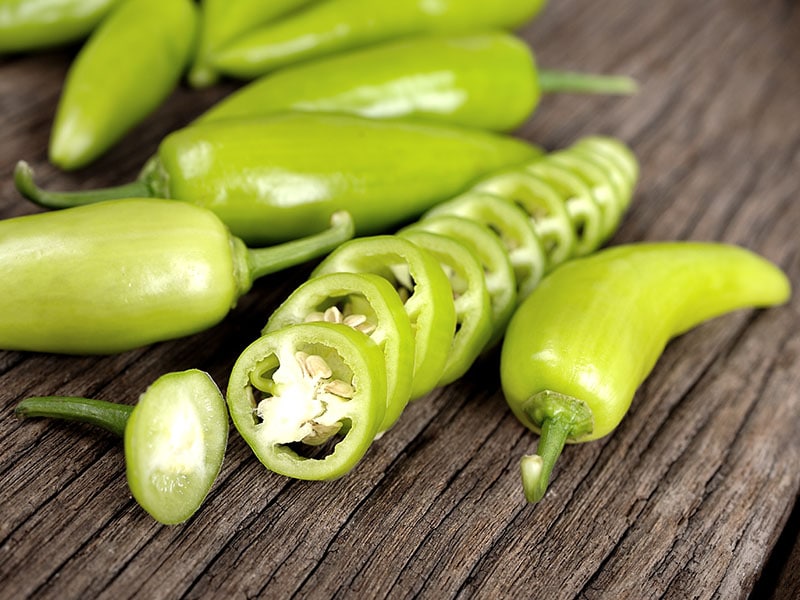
338 25
36 24
425 291
222 21
577 349
367 303
486 80
309 398
278 178
150 42
121 274
175 439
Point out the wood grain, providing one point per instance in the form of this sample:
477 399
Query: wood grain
687 499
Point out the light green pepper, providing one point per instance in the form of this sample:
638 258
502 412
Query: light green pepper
486 80
130 64
581 344
338 25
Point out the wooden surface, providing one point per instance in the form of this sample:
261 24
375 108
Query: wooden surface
687 499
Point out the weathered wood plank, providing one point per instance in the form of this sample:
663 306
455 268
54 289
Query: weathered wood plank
686 499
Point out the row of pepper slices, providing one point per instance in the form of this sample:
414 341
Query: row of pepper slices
300 160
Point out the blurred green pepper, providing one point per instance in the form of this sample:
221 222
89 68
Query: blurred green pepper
579 346
486 80
37 24
222 21
130 64
279 178
122 274
337 25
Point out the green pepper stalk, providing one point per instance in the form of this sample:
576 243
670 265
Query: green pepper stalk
150 43
581 344
222 21
487 80
279 178
175 438
23 28
122 274
309 398
330 27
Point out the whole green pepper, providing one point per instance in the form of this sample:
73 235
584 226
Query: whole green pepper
309 398
174 437
130 64
486 80
281 177
222 21
121 274
37 24
337 25
579 346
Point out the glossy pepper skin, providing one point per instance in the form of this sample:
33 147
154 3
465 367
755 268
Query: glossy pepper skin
279 178
337 25
298 388
175 438
122 274
27 25
129 65
222 21
485 80
580 345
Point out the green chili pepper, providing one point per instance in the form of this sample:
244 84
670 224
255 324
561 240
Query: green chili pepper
425 291
305 386
367 303
222 21
175 439
486 80
577 349
122 274
337 25
32 25
453 272
278 178
149 42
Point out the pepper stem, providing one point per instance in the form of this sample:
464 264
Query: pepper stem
560 418
108 415
263 261
23 179
585 83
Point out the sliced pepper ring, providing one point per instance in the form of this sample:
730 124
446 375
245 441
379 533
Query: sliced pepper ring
512 225
415 273
309 398
544 207
471 298
616 152
367 303
497 269
581 207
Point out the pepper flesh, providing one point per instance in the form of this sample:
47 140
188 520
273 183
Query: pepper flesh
122 274
279 178
338 25
175 438
580 345
33 25
150 41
